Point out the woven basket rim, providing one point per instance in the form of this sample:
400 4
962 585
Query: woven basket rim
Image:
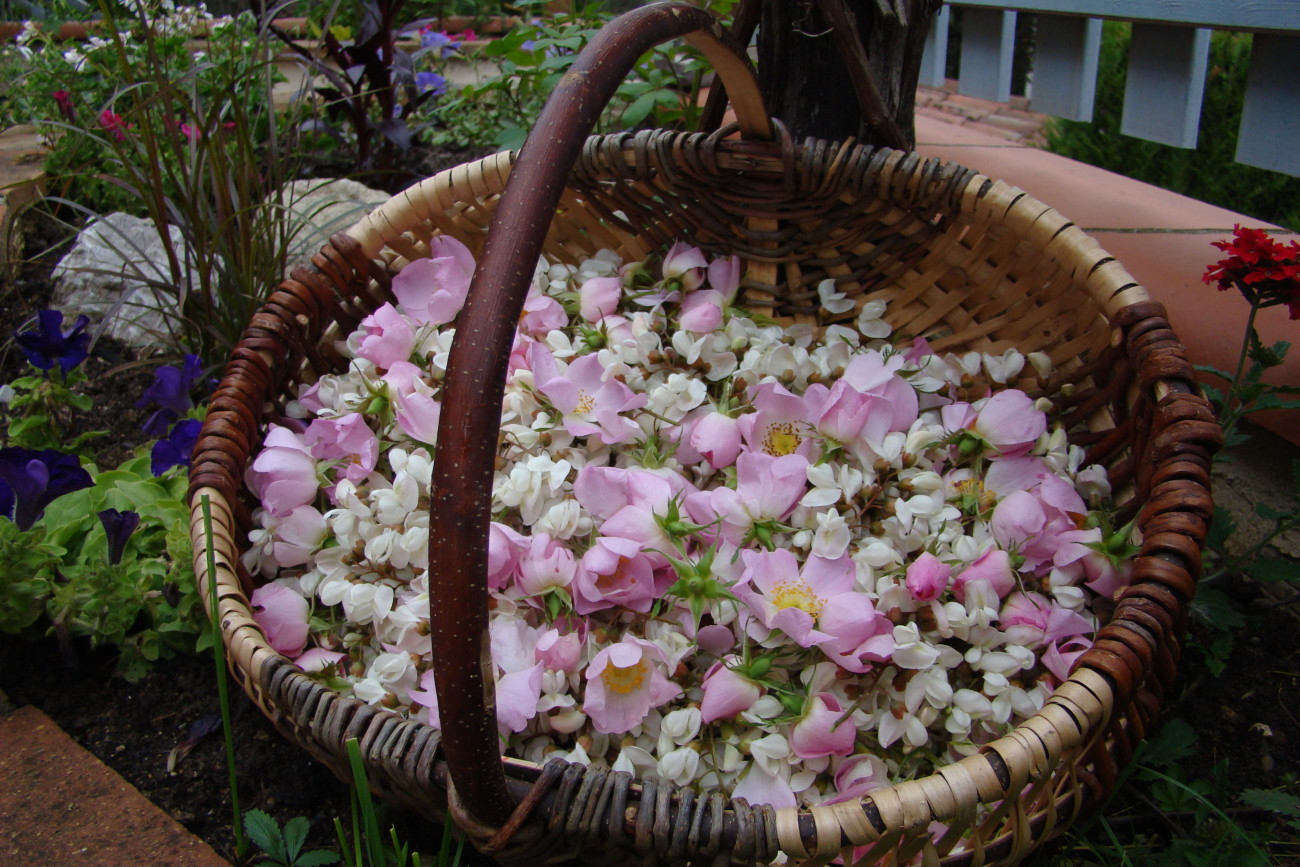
1079 711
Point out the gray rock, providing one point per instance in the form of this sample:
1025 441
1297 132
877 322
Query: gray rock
117 273
320 208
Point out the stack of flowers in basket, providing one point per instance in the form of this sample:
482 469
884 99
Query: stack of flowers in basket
792 563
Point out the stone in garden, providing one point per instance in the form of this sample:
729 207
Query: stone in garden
118 267
115 271
323 207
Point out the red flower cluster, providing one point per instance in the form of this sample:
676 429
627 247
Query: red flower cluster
1265 271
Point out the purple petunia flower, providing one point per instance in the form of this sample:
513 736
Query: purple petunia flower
170 391
118 527
30 480
49 345
431 82
174 451
435 40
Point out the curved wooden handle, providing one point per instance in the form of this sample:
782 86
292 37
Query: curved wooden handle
460 509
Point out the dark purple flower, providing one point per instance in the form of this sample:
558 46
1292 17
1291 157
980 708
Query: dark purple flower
170 391
32 480
49 345
174 451
431 82
118 527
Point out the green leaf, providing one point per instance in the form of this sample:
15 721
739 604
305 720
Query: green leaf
316 858
295 834
1275 800
639 109
1173 742
1264 510
1213 607
1220 530
1272 570
265 832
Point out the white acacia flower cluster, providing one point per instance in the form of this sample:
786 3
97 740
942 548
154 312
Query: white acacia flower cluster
791 563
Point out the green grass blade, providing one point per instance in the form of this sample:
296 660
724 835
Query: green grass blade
219 655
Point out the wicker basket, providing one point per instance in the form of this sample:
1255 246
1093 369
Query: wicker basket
969 262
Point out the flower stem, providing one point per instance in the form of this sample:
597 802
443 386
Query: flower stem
1229 415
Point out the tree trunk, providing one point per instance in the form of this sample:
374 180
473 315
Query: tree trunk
814 91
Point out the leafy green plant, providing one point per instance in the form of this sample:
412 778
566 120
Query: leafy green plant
1267 274
191 141
662 90
283 847
1209 172
1158 815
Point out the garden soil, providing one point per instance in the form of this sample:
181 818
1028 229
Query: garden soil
1246 721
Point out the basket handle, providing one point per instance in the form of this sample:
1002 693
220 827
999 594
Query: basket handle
460 506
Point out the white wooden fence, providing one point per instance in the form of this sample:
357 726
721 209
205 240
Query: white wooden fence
1167 65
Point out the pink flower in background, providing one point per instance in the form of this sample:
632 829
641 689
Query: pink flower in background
426 699
1039 522
590 404
388 338
433 290
724 276
701 311
823 730
727 693
876 376
781 596
297 535
624 681
519 681
542 315
282 614
283 475
927 577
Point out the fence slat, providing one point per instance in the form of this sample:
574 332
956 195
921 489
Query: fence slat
1066 53
934 59
1270 118
987 43
1166 80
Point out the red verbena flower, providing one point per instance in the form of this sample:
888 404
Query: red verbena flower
1265 271
64 100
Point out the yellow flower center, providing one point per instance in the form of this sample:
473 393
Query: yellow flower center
781 439
585 403
625 680
796 594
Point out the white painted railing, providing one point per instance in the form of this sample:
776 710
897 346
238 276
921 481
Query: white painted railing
1167 65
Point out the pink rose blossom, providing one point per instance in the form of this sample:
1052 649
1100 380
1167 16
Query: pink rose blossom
823 730
701 311
1010 423
388 339
727 693
1030 619
283 475
559 651
433 290
992 567
505 547
319 659
614 571
779 425
716 436
348 439
686 265
767 489
624 681
590 404
282 614
927 577
548 565
858 776
598 297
